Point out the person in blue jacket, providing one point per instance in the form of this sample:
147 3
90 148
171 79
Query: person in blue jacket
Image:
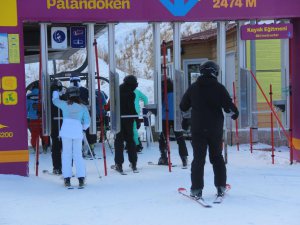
34 118
76 119
163 160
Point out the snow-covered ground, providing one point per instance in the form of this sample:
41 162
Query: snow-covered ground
261 194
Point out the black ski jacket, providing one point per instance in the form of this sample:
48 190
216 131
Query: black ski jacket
207 97
127 97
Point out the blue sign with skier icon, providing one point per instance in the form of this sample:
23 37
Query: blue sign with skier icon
59 37
78 37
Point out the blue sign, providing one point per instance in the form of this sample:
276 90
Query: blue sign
59 36
179 7
78 37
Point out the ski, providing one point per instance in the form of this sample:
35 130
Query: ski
114 168
92 158
219 199
155 164
200 201
69 188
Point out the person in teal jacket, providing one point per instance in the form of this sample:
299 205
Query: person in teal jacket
139 96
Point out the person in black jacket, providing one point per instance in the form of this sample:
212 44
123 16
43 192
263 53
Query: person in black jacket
207 97
128 116
56 121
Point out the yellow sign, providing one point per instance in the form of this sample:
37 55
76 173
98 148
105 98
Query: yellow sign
9 83
13 48
10 98
8 13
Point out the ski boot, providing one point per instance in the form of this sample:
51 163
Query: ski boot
133 167
57 171
221 191
81 182
196 193
45 148
163 160
119 168
67 182
184 160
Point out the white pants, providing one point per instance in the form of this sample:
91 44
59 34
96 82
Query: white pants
72 149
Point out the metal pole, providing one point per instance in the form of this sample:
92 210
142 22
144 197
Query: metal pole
221 50
91 77
177 94
291 103
45 82
241 48
113 82
253 95
157 76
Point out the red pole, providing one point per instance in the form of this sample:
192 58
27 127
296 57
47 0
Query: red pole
37 153
101 108
272 130
251 145
166 103
272 109
291 103
236 121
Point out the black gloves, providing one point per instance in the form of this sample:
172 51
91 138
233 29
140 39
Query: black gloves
56 85
185 124
235 115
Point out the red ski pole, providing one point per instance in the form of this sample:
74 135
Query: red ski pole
101 108
236 121
166 103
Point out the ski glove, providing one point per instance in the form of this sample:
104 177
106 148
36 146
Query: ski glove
235 116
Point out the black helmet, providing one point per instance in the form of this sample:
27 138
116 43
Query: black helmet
130 80
73 92
209 68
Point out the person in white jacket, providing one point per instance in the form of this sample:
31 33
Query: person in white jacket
76 119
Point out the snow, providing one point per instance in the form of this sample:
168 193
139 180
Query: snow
261 193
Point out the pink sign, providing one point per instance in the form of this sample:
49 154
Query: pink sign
155 10
267 31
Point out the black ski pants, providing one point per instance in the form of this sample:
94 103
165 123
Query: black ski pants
200 142
179 138
56 148
126 134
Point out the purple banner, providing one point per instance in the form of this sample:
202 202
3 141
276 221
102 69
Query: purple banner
267 31
155 10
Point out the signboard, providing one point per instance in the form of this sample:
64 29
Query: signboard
8 13
3 48
156 10
59 38
14 48
78 37
267 31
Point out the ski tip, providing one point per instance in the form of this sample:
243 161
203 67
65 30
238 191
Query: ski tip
228 186
181 189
